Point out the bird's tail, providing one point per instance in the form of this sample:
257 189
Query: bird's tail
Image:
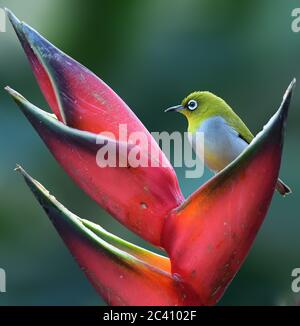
282 188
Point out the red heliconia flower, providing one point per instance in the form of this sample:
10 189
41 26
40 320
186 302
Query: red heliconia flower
207 236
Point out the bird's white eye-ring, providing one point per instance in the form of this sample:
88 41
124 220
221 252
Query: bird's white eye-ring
192 105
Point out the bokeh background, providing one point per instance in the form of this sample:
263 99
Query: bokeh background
151 52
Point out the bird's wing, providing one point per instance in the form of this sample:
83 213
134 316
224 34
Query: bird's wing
243 132
246 139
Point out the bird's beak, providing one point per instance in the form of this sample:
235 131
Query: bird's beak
175 108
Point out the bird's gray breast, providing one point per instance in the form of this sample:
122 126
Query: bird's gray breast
222 143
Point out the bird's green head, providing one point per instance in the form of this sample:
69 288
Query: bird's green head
199 106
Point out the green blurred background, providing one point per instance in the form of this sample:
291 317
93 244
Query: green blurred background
152 53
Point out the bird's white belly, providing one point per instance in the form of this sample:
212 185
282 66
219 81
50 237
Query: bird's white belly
221 143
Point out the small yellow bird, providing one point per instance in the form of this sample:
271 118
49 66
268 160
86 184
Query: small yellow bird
225 134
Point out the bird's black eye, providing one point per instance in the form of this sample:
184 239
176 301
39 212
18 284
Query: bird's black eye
192 105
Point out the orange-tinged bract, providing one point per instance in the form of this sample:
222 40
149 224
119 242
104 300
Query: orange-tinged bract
122 273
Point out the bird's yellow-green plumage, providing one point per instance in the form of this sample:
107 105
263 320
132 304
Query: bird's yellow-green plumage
210 105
